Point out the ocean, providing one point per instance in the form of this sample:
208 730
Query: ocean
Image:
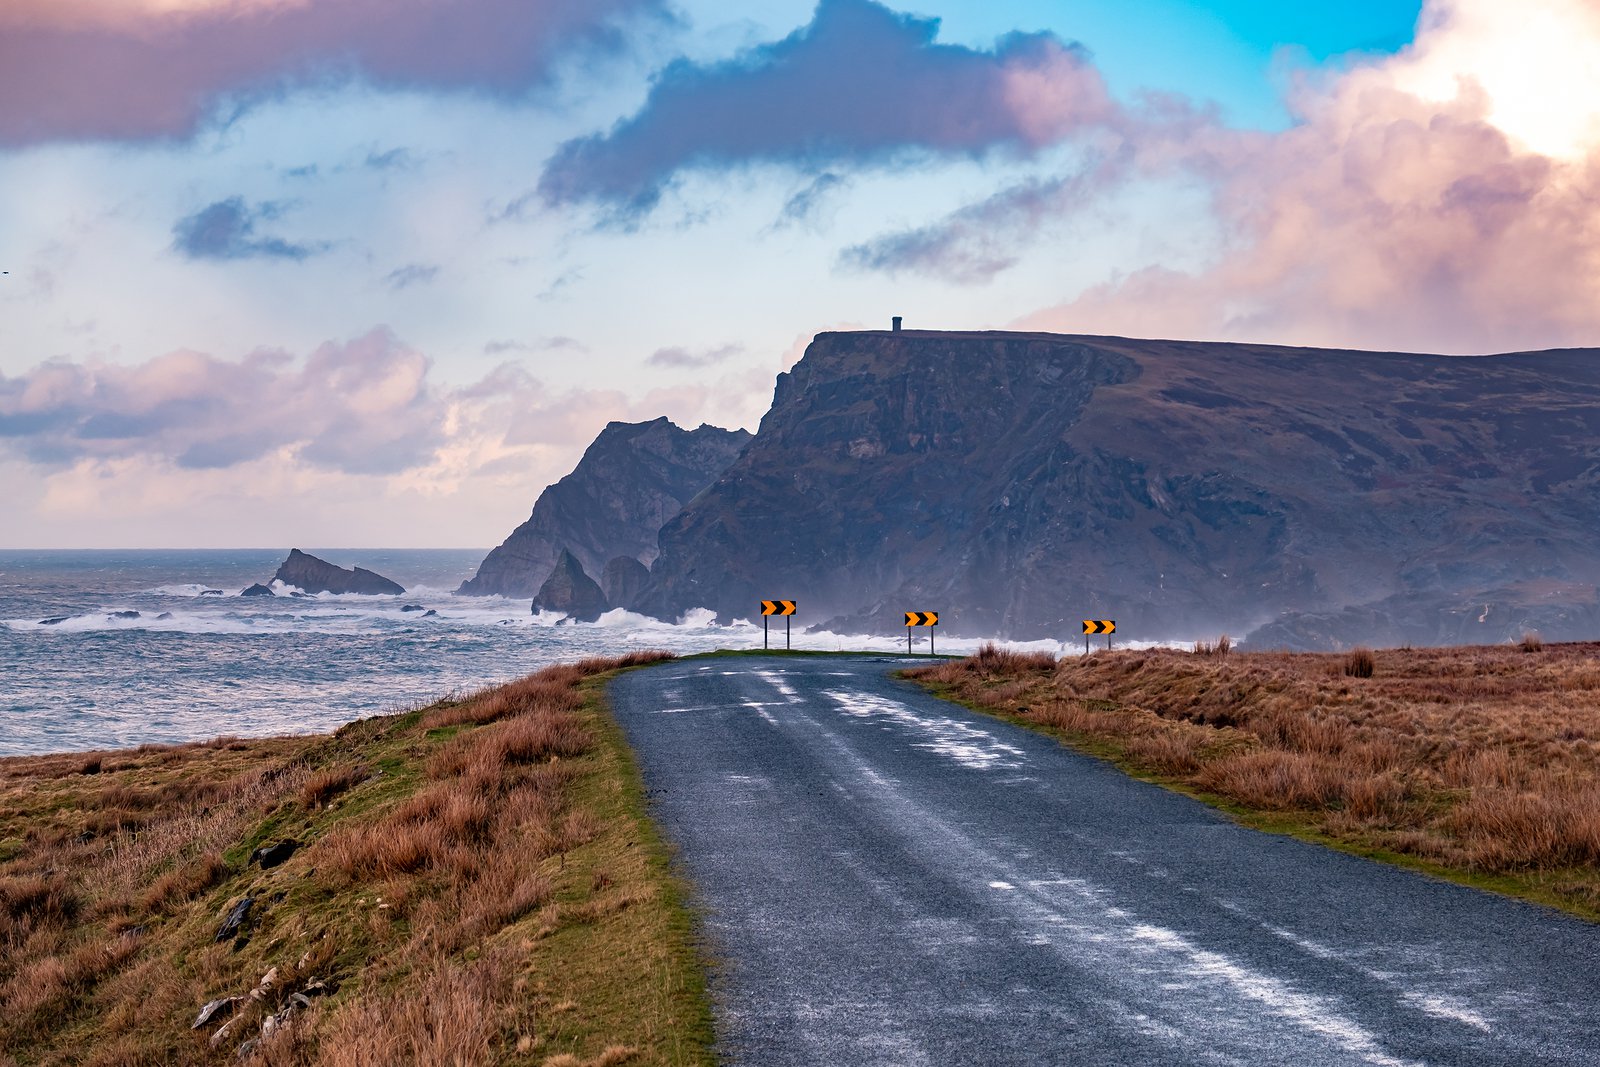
80 670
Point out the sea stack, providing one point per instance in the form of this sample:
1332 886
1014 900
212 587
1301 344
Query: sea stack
571 591
314 575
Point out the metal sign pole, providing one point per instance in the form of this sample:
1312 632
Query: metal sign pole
763 633
786 646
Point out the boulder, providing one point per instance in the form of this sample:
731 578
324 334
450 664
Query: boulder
570 591
413 607
271 855
57 621
257 590
214 1009
124 615
211 592
623 580
164 616
233 923
315 575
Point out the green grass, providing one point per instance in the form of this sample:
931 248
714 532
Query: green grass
604 967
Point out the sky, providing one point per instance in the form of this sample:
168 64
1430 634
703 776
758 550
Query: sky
375 272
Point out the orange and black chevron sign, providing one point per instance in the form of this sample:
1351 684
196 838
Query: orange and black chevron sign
1099 626
922 618
777 607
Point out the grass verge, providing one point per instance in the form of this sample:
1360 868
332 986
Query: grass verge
1480 764
473 882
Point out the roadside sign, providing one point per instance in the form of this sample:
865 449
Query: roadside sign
1098 626
921 618
776 607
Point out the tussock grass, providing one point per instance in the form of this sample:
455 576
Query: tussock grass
476 883
1481 763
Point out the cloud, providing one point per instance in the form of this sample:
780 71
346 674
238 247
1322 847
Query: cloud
977 242
804 205
363 408
98 69
409 275
227 230
859 85
393 159
1438 199
542 344
1393 215
682 357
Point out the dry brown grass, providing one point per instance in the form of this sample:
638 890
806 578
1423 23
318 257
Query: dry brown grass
1484 761
417 918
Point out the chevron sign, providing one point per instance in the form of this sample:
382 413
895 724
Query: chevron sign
777 607
1099 626
922 618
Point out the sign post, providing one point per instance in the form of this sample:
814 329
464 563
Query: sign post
921 618
1098 626
776 607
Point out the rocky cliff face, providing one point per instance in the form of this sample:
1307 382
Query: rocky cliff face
1020 483
623 580
633 478
319 576
570 591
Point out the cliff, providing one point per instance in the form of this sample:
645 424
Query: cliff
633 478
314 575
1020 483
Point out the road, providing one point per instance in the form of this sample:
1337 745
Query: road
886 878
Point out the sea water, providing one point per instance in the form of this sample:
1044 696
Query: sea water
79 671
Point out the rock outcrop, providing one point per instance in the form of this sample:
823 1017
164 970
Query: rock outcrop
632 478
315 575
571 591
623 580
257 590
1020 483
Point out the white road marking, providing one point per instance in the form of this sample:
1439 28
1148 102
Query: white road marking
775 679
966 744
1079 920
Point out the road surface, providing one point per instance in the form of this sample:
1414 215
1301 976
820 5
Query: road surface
886 878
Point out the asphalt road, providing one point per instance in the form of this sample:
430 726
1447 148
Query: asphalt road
886 878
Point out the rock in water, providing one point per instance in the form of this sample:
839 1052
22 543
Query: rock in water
571 591
257 590
623 580
634 477
319 576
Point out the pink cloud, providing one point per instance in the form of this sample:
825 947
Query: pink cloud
1412 203
93 71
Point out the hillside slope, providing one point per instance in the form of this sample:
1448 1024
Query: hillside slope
1020 483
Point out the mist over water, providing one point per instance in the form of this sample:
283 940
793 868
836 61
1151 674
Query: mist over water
193 665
